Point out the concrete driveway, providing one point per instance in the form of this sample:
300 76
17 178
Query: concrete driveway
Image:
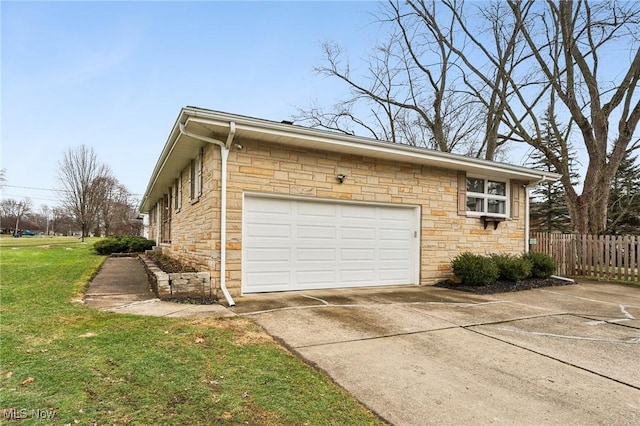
425 355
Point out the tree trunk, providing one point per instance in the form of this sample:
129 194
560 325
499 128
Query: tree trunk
589 210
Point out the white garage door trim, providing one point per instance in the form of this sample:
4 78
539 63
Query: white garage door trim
300 243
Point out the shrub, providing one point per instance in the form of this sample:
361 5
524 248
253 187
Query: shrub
511 267
542 265
109 245
474 269
139 244
112 245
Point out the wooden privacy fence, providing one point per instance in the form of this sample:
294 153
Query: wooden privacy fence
598 256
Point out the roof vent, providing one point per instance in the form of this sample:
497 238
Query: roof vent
286 122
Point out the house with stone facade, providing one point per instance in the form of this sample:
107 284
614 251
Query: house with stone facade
270 206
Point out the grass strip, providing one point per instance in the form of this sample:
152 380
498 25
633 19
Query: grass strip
62 360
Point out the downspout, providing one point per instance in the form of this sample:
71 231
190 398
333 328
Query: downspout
224 154
527 208
527 238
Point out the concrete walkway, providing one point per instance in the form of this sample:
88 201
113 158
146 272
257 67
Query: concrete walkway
427 355
122 286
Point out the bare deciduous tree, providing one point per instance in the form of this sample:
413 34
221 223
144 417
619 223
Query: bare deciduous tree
61 222
512 64
117 206
80 174
406 97
45 215
605 109
13 210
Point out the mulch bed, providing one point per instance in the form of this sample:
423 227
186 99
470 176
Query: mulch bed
169 264
505 286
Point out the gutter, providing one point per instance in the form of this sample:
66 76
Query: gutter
224 154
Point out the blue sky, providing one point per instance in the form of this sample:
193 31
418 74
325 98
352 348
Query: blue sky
114 75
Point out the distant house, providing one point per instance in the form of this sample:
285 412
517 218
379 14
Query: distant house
302 208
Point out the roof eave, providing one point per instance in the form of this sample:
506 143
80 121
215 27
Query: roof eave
286 134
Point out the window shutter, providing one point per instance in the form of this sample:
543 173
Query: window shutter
200 163
462 193
175 194
180 191
192 180
515 199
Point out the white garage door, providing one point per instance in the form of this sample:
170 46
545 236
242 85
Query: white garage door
291 244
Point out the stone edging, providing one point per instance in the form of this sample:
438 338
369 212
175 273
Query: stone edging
183 284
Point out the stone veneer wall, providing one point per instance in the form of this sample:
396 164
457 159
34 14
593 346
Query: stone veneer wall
269 168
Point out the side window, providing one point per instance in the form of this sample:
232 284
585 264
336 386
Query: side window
475 192
177 194
196 177
485 196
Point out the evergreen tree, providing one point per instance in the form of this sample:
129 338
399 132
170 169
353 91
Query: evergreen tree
549 209
624 203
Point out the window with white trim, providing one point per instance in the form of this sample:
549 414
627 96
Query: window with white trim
177 196
196 177
487 197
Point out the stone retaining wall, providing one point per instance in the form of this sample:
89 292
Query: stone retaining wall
178 285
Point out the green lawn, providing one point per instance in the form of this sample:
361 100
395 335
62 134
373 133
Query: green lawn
83 366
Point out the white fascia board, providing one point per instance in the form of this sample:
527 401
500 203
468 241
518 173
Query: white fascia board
305 137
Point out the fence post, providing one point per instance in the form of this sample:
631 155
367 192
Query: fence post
572 249
607 255
618 275
635 261
626 246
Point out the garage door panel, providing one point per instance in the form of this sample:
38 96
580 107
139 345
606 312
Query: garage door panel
347 254
308 261
397 254
317 210
269 278
315 254
394 234
357 212
268 254
357 276
394 224
325 244
271 230
392 213
390 277
357 233
317 277
264 206
316 232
